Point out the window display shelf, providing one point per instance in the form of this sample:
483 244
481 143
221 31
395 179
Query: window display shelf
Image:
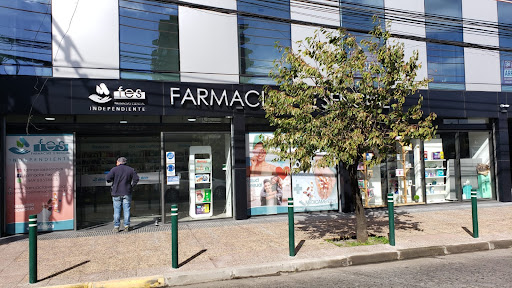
435 177
433 160
436 185
433 168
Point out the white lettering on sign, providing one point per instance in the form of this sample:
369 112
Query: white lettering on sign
210 98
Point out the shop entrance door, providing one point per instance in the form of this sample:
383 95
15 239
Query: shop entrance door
96 155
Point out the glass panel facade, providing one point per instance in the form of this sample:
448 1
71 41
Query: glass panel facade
25 38
358 14
505 21
257 38
149 43
203 166
96 156
445 63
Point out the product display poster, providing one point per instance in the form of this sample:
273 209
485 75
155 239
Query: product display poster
39 180
271 185
170 158
203 165
173 180
202 178
203 195
203 208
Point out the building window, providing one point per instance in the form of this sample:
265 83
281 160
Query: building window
359 14
443 21
25 38
149 43
258 37
505 21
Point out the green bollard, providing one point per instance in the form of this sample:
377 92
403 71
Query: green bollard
174 226
474 212
391 214
291 230
32 249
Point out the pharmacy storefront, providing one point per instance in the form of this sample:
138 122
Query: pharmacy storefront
198 146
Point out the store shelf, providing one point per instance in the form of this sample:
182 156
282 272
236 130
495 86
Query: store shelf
435 177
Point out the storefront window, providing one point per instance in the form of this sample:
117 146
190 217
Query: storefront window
440 168
371 182
404 174
96 156
198 179
475 163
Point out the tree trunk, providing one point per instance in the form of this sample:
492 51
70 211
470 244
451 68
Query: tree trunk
361 225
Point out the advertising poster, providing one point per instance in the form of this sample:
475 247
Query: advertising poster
507 72
39 180
270 184
316 190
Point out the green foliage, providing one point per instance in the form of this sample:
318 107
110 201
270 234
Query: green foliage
344 98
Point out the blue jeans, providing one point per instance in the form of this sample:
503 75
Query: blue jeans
125 200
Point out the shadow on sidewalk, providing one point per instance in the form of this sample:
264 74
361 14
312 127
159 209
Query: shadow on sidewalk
320 226
192 258
64 271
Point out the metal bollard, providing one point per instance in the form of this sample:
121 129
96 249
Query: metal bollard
474 213
174 231
391 214
291 229
32 249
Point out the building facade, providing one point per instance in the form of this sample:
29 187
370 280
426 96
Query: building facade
175 86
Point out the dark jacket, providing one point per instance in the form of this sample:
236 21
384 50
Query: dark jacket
124 178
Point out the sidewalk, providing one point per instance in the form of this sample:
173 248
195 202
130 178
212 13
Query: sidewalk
224 249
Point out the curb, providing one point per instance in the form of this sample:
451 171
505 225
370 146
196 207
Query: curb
278 268
146 282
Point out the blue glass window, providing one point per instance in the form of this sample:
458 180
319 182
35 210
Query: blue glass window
445 63
26 37
149 43
257 38
358 14
504 27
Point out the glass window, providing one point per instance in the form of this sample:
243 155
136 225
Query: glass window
96 156
504 19
149 43
440 168
445 62
257 38
25 38
202 184
358 14
404 174
475 164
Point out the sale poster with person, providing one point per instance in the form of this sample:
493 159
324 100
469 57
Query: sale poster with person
40 181
270 183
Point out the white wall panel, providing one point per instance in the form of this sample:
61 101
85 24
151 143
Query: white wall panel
208 46
416 26
85 40
409 47
319 11
482 67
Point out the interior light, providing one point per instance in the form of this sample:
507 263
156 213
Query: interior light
49 118
123 122
192 119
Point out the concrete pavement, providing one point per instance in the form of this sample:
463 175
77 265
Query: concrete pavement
226 249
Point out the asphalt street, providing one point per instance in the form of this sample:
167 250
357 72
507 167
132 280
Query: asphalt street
478 269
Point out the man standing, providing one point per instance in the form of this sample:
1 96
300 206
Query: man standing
124 178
